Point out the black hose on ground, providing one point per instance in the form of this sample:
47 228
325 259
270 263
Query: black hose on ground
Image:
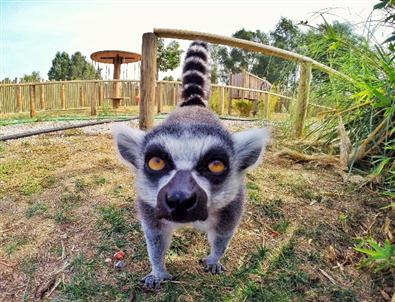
61 128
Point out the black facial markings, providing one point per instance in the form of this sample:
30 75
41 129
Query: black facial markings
215 153
199 130
156 150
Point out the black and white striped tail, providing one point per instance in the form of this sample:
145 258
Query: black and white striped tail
196 75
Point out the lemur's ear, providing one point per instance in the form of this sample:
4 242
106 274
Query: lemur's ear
128 142
250 146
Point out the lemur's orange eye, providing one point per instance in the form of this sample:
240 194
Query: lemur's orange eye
156 163
216 167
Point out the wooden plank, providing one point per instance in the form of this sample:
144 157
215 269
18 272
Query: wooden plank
160 97
32 94
174 95
93 101
303 98
62 96
266 105
42 97
148 80
221 101
101 94
230 101
81 96
18 93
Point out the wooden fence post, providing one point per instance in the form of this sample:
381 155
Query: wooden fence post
230 102
159 92
221 101
266 105
303 97
42 97
18 93
101 94
148 80
81 96
62 97
93 100
32 94
174 95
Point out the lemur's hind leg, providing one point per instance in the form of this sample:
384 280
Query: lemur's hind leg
220 236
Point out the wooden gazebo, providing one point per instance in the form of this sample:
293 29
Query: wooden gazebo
116 57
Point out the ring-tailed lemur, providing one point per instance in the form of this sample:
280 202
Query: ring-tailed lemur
189 170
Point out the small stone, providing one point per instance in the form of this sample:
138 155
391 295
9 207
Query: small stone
120 264
108 260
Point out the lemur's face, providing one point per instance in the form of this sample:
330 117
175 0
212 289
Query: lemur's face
184 173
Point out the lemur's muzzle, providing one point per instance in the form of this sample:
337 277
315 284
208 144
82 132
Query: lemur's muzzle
182 199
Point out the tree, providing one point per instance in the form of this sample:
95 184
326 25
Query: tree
168 57
285 36
216 72
6 80
234 60
81 69
168 78
60 69
31 78
75 67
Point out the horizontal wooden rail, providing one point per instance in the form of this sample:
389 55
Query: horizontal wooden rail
66 82
249 45
234 87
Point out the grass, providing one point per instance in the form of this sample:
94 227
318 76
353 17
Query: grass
37 209
15 244
84 210
64 212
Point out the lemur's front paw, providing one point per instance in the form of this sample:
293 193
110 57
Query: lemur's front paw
153 281
214 267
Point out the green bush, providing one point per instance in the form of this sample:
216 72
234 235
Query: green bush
243 106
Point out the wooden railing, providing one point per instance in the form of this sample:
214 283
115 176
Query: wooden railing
61 95
96 94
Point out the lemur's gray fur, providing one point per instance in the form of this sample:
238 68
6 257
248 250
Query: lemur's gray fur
185 190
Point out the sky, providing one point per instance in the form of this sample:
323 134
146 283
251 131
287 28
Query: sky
31 31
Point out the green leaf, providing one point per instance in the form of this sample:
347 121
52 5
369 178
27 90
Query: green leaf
381 4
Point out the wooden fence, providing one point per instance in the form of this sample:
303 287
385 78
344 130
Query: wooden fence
76 95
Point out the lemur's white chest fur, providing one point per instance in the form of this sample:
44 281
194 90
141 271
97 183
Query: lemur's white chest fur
190 170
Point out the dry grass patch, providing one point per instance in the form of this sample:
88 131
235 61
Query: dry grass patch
67 204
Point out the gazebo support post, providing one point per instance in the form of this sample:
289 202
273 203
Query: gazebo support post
148 80
117 85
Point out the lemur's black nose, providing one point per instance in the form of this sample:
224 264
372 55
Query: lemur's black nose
179 200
